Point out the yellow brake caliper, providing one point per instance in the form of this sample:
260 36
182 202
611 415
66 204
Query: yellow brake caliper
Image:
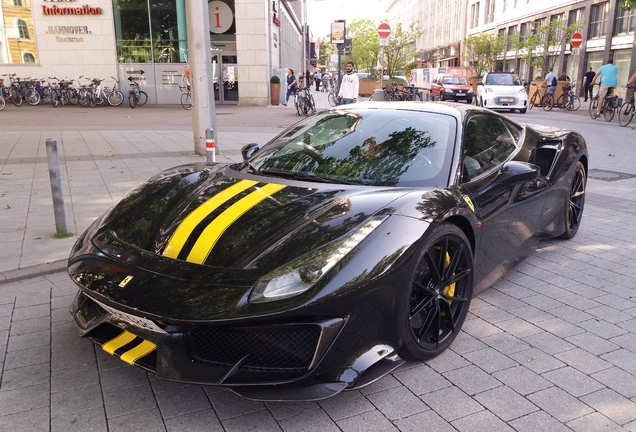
449 290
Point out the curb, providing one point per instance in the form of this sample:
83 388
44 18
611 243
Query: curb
33 271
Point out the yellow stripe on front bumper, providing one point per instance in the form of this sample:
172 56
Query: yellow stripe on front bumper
185 228
114 344
144 348
217 227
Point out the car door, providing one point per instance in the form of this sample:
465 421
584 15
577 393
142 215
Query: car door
509 212
435 87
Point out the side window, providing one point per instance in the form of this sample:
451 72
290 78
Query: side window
488 142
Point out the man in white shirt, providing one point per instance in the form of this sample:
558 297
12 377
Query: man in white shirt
349 87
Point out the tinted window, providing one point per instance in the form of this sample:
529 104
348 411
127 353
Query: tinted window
502 79
365 146
454 80
488 142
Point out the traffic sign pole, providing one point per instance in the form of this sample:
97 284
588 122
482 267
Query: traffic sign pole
384 31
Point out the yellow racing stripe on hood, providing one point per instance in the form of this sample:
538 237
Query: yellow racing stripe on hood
185 228
208 238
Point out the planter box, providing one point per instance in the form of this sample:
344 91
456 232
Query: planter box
367 85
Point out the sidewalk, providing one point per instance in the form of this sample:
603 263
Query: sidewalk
99 164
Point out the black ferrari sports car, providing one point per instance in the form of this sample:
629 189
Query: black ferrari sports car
351 242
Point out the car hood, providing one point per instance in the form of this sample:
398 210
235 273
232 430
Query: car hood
499 90
457 86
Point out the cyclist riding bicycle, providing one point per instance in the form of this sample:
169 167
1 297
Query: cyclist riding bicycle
609 79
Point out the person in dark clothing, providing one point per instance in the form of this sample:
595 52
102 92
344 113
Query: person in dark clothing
307 79
587 83
564 77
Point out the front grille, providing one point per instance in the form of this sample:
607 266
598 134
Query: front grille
285 348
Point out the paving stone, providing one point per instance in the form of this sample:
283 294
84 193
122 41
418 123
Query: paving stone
573 381
447 360
583 361
623 358
592 423
490 360
38 374
592 343
29 312
493 314
482 421
29 340
479 328
90 420
123 377
618 380
548 343
148 420
182 401
602 328
451 403
76 400
472 380
347 404
608 314
464 343
33 420
228 405
612 405
315 420
30 325
578 302
570 314
427 420
627 341
538 421
27 357
522 380
23 399
282 410
422 379
505 403
531 314
559 404
129 400
197 421
371 421
397 403
559 327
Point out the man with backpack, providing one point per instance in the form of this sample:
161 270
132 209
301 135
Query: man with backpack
608 74
550 82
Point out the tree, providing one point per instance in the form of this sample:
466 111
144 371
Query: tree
483 50
627 4
365 46
326 49
544 47
401 51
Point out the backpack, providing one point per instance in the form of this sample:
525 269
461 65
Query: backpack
554 82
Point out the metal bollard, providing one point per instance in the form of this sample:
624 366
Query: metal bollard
56 185
210 149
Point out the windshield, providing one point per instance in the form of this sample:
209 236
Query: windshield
503 79
378 147
454 80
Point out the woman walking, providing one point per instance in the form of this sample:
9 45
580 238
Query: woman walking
292 85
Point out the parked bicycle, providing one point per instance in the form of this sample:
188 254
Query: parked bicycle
609 104
186 97
627 110
136 97
304 102
568 100
546 101
114 97
332 97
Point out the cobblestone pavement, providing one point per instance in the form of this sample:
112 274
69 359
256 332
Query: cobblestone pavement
551 347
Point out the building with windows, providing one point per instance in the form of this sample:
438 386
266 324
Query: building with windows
146 40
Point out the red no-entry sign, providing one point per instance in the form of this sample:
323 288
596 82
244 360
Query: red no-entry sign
577 40
384 30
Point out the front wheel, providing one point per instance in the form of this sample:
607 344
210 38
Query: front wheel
575 202
142 98
547 102
574 103
439 294
185 101
2 103
608 111
333 99
115 98
132 100
626 113
593 106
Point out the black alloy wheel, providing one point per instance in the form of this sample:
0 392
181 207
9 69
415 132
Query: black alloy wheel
575 202
439 295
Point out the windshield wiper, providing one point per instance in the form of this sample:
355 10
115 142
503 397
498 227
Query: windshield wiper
304 176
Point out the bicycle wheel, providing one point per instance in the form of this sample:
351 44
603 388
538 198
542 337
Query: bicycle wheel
333 99
2 103
186 103
46 95
298 102
56 99
115 98
32 97
311 106
73 97
608 110
132 100
531 102
548 102
83 98
574 103
15 96
626 113
142 98
562 101
593 106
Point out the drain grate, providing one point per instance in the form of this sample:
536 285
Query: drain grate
605 175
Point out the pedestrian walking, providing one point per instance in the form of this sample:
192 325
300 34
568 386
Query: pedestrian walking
326 80
349 86
587 83
317 79
608 73
550 82
292 85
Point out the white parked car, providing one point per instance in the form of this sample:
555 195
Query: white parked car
502 91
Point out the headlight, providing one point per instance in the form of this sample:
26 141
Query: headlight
469 91
299 275
522 91
489 90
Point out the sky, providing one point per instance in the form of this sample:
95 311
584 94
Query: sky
320 13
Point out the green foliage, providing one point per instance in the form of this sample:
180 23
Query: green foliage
482 51
326 49
62 235
365 46
627 4
543 48
274 79
401 51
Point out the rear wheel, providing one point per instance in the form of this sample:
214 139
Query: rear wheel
185 101
132 100
439 294
574 103
608 110
115 98
547 102
333 99
143 98
32 97
575 203
626 113
593 106
562 101
2 103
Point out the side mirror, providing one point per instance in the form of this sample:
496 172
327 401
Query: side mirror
514 172
248 150
480 83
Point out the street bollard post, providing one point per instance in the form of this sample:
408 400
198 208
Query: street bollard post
210 149
56 185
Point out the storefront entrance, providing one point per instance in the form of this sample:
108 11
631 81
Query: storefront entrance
225 76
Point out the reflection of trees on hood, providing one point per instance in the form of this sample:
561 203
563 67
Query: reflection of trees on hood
383 162
435 203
